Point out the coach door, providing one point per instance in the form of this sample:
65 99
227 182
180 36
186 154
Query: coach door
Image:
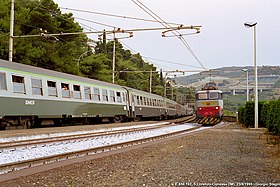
130 104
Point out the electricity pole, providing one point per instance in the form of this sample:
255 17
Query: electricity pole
11 31
151 76
114 56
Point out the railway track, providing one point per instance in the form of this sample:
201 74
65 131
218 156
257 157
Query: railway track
19 143
22 143
46 143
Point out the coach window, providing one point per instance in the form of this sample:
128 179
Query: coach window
141 100
3 83
65 90
138 100
18 84
52 88
96 94
135 99
87 93
132 98
105 95
37 87
77 92
144 98
119 98
124 96
112 96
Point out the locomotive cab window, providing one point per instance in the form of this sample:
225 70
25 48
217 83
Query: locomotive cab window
3 83
52 88
37 87
220 96
213 95
65 90
18 84
77 92
202 96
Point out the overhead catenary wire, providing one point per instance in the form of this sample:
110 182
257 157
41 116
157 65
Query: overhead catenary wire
147 58
95 22
165 24
102 31
118 30
141 19
40 6
171 62
114 15
151 58
87 27
119 16
161 21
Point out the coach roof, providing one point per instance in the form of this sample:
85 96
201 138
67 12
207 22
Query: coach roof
52 73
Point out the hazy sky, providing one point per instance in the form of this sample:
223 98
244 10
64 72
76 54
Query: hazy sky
223 41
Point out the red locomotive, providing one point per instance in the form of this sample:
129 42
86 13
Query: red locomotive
209 105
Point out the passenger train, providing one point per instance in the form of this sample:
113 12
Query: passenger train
209 105
32 96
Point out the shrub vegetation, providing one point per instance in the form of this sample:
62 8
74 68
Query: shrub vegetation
269 115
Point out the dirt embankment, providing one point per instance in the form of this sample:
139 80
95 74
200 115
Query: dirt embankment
229 155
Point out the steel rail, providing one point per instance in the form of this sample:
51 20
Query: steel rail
38 141
10 167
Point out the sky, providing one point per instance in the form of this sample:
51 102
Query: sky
223 41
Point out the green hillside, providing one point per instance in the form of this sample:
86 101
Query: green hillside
232 73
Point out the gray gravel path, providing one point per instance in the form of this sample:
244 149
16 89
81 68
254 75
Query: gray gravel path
229 155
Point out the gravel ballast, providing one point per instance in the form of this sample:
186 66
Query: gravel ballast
225 156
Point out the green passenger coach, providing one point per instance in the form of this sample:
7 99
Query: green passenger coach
32 96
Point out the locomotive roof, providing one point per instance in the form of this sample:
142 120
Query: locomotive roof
52 73
205 91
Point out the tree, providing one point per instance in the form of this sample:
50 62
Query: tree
68 53
37 17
